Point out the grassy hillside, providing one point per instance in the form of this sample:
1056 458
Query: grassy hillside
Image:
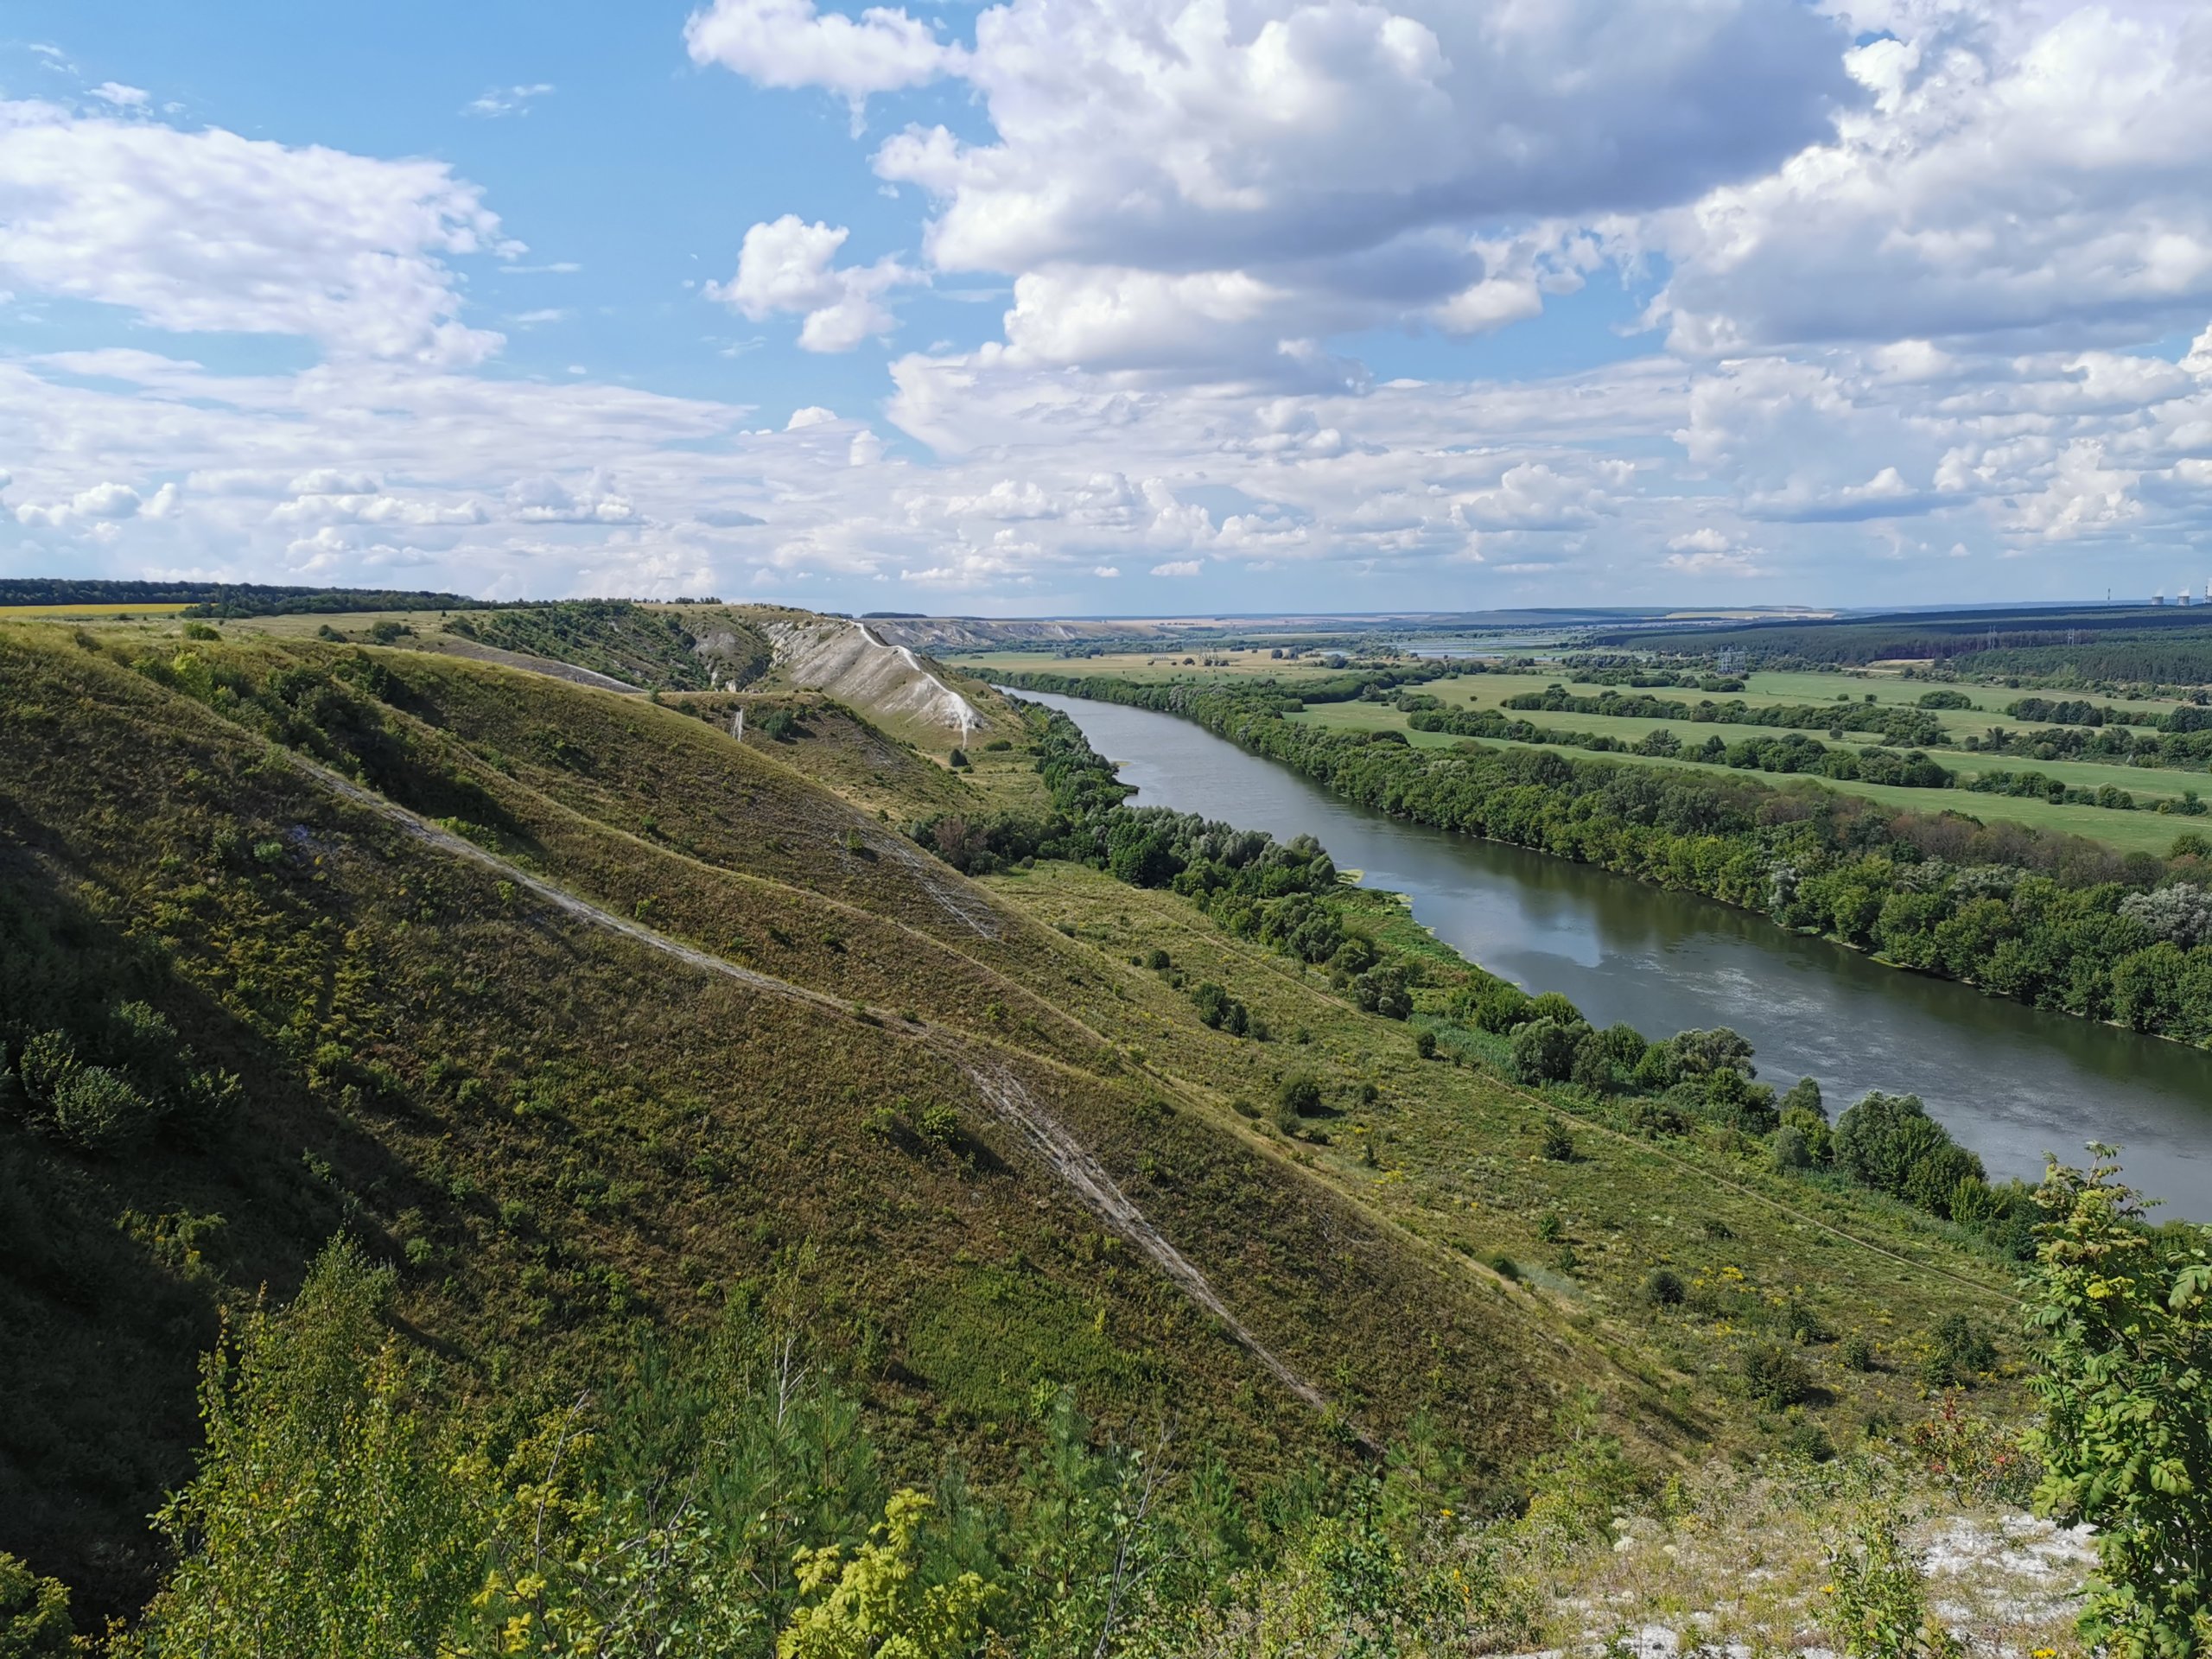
557 1132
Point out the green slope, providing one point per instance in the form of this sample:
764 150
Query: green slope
483 1050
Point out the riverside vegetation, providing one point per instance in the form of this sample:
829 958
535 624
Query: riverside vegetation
2057 922
747 1226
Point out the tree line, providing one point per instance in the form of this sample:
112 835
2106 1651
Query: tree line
2057 922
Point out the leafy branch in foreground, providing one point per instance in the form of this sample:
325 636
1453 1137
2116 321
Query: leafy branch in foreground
2126 1386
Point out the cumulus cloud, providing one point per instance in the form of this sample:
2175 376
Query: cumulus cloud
1182 187
122 97
790 43
788 265
2016 172
209 231
594 499
1177 567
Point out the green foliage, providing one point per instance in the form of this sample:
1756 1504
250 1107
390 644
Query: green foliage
1542 1051
2036 918
1959 1351
873 1605
2121 1318
1878 1604
1775 1376
324 1520
97 1110
34 1621
1663 1287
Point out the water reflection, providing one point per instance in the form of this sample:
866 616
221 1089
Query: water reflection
2009 1081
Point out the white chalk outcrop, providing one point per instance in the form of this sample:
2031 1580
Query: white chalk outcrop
850 662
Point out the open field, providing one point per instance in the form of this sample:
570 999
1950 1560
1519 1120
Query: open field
64 613
1148 667
2138 831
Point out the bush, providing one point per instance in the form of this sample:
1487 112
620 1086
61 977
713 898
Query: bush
35 1619
1791 1152
2126 1332
1960 1351
1804 1095
1300 1094
46 1061
1213 1003
1551 1005
1663 1287
98 1110
1542 1051
1500 1007
1858 1354
1559 1142
1425 1044
1775 1376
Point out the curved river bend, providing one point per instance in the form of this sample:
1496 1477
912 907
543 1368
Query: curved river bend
2009 1081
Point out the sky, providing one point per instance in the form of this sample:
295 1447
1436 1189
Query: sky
1112 307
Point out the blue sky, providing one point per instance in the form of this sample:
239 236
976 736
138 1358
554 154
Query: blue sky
1139 307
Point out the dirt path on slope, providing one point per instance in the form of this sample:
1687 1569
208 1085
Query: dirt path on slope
1005 1093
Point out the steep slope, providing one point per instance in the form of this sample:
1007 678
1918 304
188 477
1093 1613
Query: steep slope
851 661
574 1072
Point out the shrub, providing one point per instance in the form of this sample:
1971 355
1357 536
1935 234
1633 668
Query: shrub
957 758
2125 1328
35 1619
1879 1607
46 1060
98 1110
1558 1142
1960 1350
1158 960
1663 1287
1542 1051
938 1124
1551 1005
1790 1151
1425 1044
1212 1001
1858 1354
1505 1265
1804 1095
1775 1376
1501 1007
1301 1094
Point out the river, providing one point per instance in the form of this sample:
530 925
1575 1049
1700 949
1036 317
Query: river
2008 1081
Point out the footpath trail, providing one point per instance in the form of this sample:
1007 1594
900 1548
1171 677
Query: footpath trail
1005 1093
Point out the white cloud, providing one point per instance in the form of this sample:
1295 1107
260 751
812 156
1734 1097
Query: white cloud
98 503
812 415
1709 553
122 97
544 499
790 43
1197 191
1178 567
1105 572
506 100
788 265
207 230
2018 172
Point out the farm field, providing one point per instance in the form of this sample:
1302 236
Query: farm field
2140 831
66 613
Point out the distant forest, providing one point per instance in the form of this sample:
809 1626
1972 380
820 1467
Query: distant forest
2134 643
227 599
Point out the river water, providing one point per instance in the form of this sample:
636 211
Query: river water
2008 1081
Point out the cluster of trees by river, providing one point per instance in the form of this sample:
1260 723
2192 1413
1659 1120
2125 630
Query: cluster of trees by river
2057 922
